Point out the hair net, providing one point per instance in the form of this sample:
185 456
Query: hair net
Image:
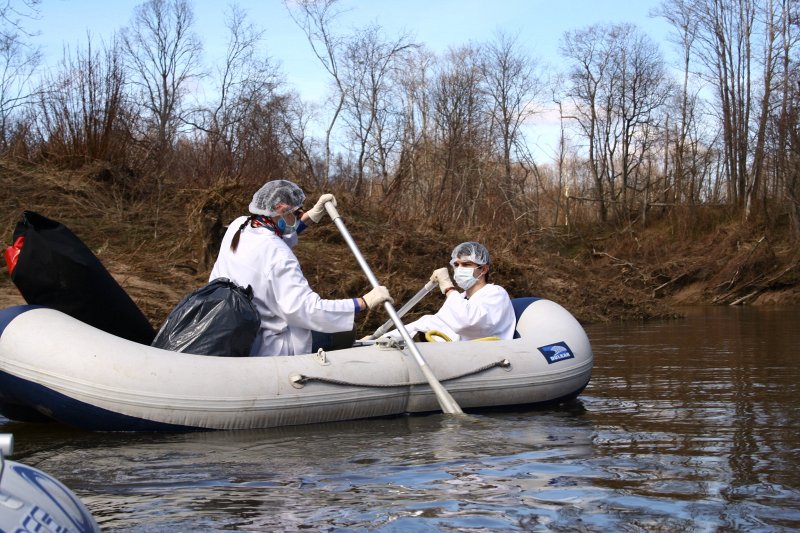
266 199
470 251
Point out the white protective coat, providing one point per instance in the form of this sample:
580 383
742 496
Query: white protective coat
289 309
487 313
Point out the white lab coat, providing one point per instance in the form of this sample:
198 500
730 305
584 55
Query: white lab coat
487 313
289 309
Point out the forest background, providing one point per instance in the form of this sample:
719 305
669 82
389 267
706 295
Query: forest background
662 192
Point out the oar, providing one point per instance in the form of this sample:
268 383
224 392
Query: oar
403 310
447 403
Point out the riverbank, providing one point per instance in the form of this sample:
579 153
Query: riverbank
160 252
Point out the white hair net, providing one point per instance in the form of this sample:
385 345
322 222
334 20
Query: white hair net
271 194
470 251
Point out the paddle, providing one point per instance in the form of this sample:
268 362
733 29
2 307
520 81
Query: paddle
405 309
447 403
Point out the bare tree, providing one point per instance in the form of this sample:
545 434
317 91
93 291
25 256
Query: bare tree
618 86
245 83
163 56
460 132
726 30
369 109
83 114
13 12
770 17
315 18
642 92
18 62
787 134
513 84
745 46
300 147
588 77
679 13
792 117
412 83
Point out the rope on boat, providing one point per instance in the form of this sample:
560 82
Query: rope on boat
299 380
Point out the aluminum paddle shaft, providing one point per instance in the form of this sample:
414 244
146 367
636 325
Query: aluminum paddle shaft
403 310
446 401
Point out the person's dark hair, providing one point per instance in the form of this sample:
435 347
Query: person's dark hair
235 240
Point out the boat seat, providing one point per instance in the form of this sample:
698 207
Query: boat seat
332 341
520 304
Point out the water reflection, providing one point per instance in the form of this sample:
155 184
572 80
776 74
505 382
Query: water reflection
708 405
687 425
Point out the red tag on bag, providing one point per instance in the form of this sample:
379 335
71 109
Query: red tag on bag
12 253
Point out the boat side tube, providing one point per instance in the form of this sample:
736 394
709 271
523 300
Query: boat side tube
56 366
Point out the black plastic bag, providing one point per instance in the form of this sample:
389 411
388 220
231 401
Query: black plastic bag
56 269
218 319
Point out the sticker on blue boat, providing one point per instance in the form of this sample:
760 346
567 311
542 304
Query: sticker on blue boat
556 352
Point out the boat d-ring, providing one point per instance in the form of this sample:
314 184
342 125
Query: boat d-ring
321 357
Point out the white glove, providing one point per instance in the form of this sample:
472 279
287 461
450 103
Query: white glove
442 277
318 211
377 296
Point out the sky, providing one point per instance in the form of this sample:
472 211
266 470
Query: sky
438 24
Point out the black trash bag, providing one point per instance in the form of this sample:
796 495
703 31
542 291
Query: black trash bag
55 269
218 319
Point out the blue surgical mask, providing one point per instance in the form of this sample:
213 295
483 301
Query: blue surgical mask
285 228
464 277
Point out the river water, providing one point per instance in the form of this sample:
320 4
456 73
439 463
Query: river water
687 425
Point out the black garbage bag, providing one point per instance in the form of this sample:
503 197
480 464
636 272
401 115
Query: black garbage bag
218 319
52 267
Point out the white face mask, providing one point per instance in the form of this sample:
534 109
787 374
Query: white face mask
464 277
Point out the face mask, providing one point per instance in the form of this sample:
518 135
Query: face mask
464 277
285 228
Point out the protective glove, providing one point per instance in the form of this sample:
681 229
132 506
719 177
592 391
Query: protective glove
442 277
318 211
377 296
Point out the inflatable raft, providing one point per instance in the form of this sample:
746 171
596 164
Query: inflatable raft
55 367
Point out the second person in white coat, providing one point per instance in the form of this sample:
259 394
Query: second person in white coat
482 310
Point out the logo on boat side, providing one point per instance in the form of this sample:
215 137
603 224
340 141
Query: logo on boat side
556 352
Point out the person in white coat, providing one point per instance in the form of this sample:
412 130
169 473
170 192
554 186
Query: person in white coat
482 310
257 251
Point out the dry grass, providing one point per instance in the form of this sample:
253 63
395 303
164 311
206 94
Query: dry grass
158 253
